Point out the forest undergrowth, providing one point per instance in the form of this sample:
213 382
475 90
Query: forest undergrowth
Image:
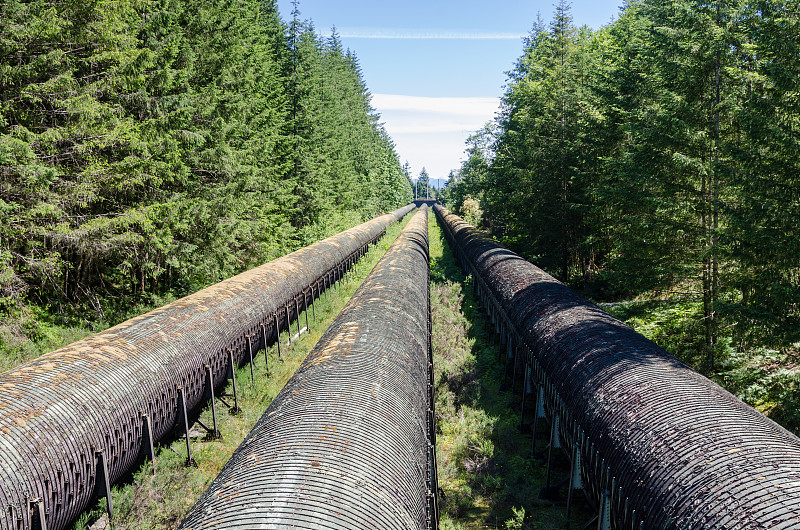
160 501
487 475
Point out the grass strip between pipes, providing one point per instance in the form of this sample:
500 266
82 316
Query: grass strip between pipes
161 501
487 478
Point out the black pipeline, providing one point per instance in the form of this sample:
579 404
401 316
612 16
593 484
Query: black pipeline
652 443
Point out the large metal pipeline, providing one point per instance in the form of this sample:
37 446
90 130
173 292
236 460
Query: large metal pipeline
86 413
347 442
653 443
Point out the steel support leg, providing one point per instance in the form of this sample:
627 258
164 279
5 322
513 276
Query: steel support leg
232 376
277 334
604 517
183 415
305 308
266 351
38 516
103 482
575 480
297 313
214 434
509 357
547 492
538 414
526 388
514 373
288 321
252 369
147 440
313 303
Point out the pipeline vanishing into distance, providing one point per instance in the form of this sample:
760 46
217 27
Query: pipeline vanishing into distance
348 442
652 443
76 420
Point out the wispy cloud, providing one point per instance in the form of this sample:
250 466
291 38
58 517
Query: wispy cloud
437 152
472 106
381 33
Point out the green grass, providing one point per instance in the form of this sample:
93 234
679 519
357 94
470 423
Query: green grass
162 501
486 474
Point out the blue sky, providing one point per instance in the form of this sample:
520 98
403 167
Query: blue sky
436 68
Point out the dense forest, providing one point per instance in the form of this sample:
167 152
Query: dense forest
149 148
655 164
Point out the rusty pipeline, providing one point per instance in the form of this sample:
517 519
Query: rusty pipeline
76 420
347 441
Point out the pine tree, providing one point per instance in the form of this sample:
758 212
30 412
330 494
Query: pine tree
673 170
763 220
541 172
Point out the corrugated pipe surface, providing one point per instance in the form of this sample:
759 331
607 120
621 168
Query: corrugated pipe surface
659 445
65 412
345 444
